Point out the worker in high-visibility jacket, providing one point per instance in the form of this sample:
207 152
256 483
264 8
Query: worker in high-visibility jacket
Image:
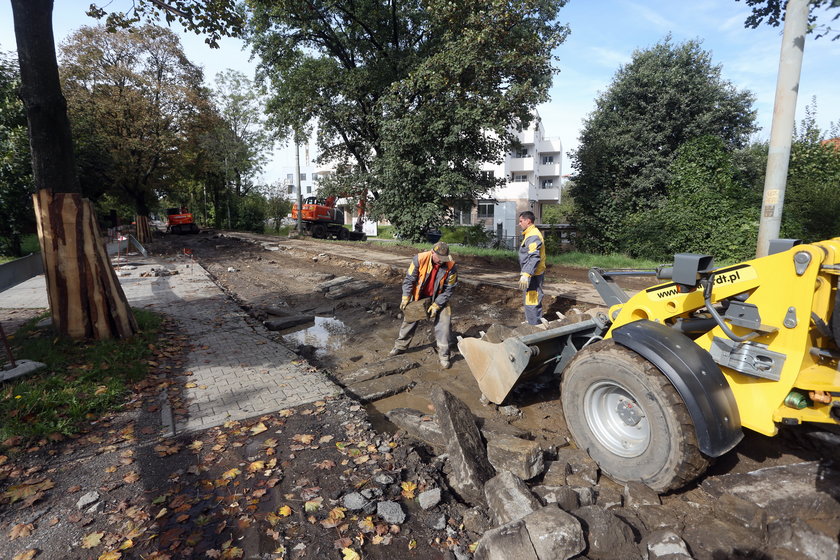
432 274
532 267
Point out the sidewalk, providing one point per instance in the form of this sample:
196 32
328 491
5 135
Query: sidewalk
238 371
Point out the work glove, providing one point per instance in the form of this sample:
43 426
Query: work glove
403 303
433 310
524 280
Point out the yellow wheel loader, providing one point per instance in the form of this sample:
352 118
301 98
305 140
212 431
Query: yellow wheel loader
667 379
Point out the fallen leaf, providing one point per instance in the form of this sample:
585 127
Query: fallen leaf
111 469
412 544
256 466
408 489
26 555
350 554
258 429
366 525
313 504
305 439
110 555
325 464
285 413
284 511
326 439
92 540
232 553
231 474
271 443
132 477
23 491
21 530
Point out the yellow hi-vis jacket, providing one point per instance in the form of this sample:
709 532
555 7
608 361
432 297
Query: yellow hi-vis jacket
532 252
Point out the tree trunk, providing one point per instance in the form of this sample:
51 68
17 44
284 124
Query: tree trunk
85 295
144 230
86 300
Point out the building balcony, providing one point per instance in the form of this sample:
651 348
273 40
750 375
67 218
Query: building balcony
551 194
549 170
550 145
517 165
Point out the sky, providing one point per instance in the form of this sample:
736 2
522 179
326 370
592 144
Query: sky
604 35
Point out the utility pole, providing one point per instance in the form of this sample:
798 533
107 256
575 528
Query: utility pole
299 186
781 131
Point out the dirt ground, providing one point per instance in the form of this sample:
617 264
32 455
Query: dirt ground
353 332
218 494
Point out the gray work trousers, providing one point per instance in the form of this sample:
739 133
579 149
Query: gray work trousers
442 326
533 300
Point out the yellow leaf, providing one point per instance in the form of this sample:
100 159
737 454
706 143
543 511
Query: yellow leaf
337 513
412 544
92 540
305 439
231 474
473 546
111 469
271 442
127 543
196 445
132 477
325 439
26 555
110 555
232 553
350 554
408 489
313 504
101 390
256 466
285 413
258 429
161 513
284 511
190 385
366 525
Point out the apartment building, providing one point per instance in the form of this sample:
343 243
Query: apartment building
532 175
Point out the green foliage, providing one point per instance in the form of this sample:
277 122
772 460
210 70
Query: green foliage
16 213
705 211
410 98
772 12
812 194
251 213
475 235
666 96
81 378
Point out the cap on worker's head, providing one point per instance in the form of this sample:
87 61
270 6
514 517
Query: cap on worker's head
441 249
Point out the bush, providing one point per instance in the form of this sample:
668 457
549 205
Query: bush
475 235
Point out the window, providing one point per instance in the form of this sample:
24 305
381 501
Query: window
548 159
488 174
303 176
548 184
485 210
291 189
290 176
308 190
522 153
520 178
464 217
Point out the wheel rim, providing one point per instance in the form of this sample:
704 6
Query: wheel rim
616 419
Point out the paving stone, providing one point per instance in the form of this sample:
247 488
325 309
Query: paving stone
470 468
665 544
351 289
389 366
555 473
797 536
522 457
334 282
508 498
376 389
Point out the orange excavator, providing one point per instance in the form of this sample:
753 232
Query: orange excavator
322 219
180 220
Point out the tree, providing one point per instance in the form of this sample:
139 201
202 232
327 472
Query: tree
16 215
409 98
139 92
244 139
772 11
667 95
706 209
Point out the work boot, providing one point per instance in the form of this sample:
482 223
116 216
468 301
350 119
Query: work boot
444 363
395 351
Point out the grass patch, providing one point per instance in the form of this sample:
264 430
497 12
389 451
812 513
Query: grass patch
82 379
29 244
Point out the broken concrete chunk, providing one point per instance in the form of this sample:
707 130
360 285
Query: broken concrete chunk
429 498
564 496
735 509
637 494
555 534
712 538
665 544
376 389
476 520
390 512
506 543
467 455
351 289
389 366
329 284
579 463
555 473
609 537
354 501
282 323
608 497
508 498
798 536
522 457
88 499
418 425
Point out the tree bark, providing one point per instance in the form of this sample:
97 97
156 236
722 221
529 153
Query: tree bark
86 299
144 230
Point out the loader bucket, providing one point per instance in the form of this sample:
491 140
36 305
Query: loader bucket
503 357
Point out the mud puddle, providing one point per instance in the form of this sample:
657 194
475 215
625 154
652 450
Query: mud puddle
326 336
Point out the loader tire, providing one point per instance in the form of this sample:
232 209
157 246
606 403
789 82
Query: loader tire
319 231
343 234
629 418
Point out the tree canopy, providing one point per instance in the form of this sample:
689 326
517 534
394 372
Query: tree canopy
666 96
772 12
409 98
